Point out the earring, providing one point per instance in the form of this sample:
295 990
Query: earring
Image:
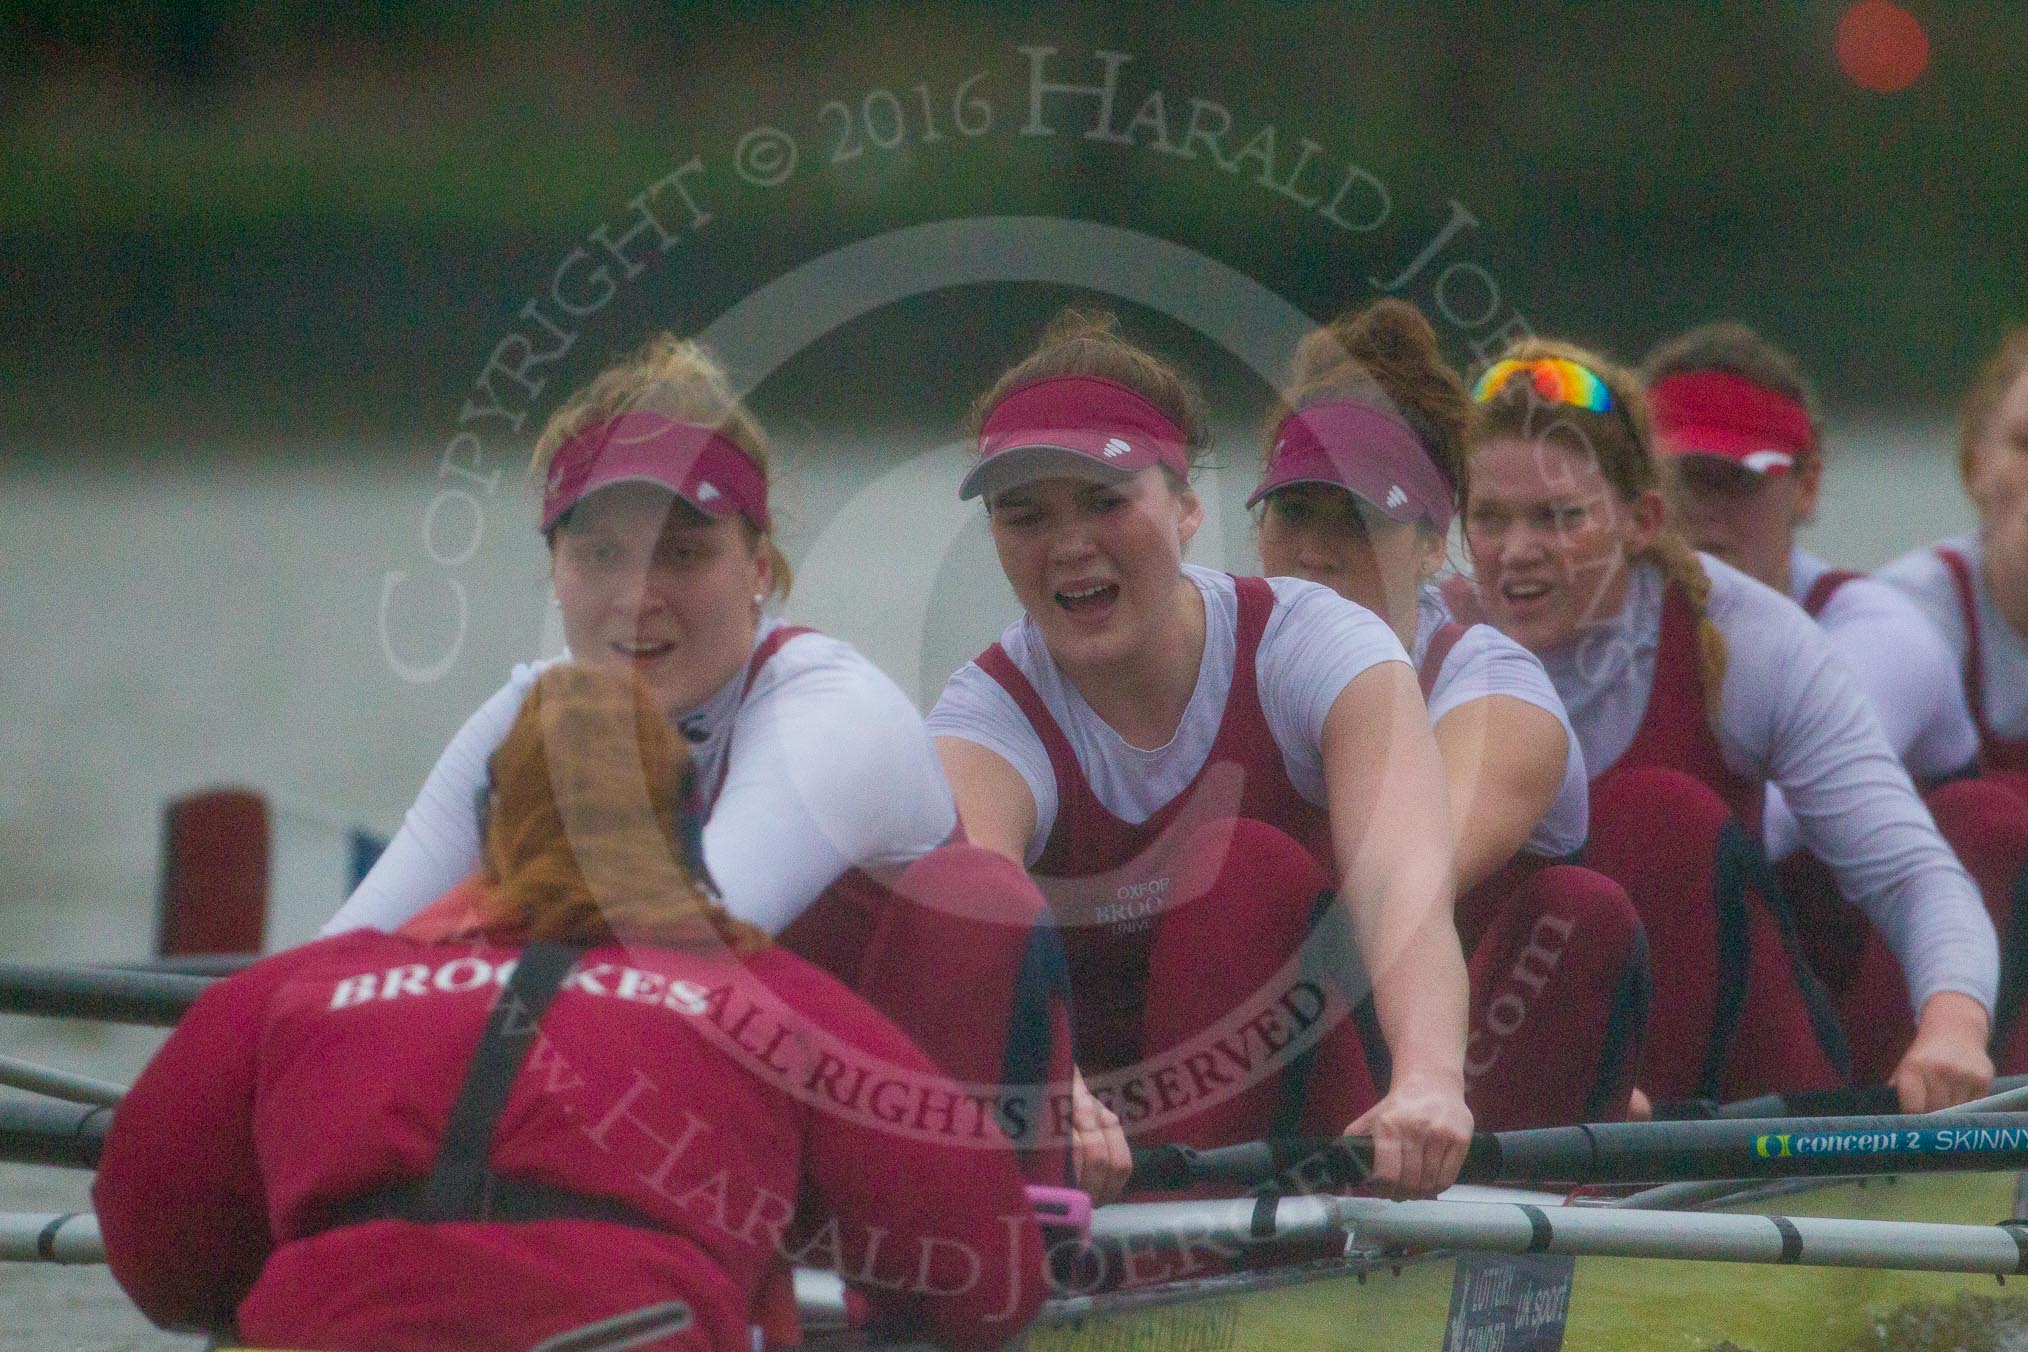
760 598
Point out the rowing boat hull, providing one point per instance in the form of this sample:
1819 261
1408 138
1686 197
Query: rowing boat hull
1616 1304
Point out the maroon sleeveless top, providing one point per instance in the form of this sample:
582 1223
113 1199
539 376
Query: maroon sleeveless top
1675 731
1824 588
1107 880
1995 752
1433 657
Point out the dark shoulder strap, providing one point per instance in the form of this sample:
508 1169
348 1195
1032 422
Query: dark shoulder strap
765 650
1824 588
1440 644
1062 757
1960 570
1256 604
457 1185
1255 598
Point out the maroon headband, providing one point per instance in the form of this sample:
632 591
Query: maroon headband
1721 414
695 463
1096 422
1369 451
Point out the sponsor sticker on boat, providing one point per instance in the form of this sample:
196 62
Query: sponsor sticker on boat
1913 1141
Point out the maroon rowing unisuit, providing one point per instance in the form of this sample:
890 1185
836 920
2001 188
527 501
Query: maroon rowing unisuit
1736 1009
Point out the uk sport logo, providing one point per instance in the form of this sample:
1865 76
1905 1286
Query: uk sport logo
707 491
1395 497
1116 448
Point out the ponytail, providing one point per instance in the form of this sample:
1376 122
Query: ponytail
1680 568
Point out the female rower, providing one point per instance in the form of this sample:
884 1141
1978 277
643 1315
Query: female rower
1361 483
1974 588
318 1158
1191 764
1691 687
1737 421
826 814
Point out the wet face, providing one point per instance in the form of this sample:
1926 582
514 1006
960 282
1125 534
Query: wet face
1747 519
647 582
1998 483
1097 566
1550 539
1326 534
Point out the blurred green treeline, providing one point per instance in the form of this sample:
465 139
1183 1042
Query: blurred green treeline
220 217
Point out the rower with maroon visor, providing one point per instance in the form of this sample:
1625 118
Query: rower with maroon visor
826 820
1226 787
1361 483
1691 688
1738 422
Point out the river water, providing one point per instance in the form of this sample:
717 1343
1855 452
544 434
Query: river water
317 623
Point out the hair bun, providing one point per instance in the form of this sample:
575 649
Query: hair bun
1090 343
1389 335
1073 325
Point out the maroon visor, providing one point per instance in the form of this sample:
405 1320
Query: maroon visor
1365 450
1072 425
695 463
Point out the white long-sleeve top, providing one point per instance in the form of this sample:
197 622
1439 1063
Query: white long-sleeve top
1486 662
1904 668
1791 715
2003 649
1315 643
829 769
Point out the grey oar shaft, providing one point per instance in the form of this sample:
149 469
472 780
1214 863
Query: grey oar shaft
103 993
1703 1236
18 1074
70 1237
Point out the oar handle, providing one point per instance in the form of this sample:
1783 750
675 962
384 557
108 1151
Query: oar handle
1869 1100
1175 1168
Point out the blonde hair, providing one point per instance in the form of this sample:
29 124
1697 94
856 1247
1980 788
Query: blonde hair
1620 442
1089 343
585 819
1385 354
677 378
2007 365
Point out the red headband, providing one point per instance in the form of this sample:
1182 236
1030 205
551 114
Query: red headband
1089 421
696 463
1721 414
1369 451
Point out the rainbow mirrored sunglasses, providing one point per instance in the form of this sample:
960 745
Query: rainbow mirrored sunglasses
1555 379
